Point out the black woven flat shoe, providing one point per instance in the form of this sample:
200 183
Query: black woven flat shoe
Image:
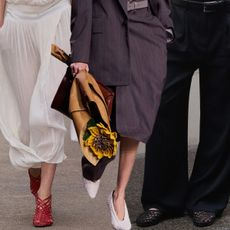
203 218
149 218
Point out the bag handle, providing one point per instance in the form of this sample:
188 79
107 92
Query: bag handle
60 54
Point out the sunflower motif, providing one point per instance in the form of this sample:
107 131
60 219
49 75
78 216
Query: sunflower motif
102 141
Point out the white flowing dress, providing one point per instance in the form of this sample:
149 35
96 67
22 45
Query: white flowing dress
29 78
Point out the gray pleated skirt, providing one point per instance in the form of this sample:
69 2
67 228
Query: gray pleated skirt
137 103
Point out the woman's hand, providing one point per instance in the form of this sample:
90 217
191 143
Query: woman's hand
79 66
2 11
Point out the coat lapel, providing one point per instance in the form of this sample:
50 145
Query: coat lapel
123 4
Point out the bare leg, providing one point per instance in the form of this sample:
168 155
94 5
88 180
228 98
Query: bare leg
47 176
128 150
43 211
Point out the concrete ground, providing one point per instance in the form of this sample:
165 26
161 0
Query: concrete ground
73 209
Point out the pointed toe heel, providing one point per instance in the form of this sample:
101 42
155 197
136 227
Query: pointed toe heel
91 187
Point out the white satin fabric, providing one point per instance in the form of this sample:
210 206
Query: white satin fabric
29 78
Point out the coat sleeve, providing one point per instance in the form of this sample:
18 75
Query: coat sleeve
161 8
81 28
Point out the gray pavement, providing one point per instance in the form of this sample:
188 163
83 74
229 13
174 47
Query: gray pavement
72 207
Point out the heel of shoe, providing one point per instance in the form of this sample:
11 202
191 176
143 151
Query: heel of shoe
43 212
91 187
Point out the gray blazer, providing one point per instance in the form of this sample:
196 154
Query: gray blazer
99 36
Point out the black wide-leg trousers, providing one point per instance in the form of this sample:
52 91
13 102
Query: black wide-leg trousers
202 42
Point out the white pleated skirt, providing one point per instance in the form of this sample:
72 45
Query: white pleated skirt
29 78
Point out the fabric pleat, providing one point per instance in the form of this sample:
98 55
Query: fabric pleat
29 78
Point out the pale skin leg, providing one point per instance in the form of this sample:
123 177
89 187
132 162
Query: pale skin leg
128 150
47 173
47 176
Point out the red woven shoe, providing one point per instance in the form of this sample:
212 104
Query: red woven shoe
34 183
43 212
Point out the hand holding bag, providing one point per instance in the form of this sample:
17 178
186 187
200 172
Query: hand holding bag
61 99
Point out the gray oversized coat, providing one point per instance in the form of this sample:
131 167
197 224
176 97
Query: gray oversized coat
104 23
